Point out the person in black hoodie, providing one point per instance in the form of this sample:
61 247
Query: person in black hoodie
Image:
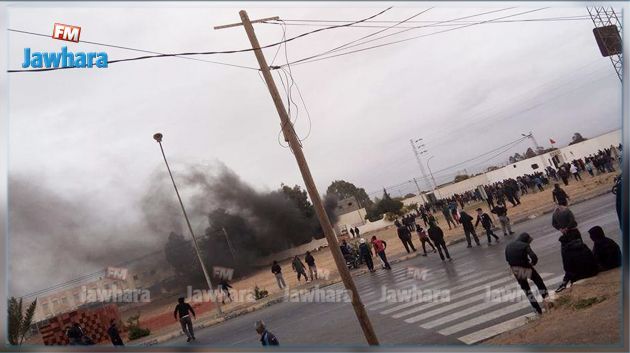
605 250
466 220
437 235
366 254
522 259
487 224
405 238
577 259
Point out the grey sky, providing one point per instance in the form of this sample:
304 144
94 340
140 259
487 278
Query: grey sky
88 132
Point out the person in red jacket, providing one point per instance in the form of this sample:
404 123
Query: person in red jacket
379 249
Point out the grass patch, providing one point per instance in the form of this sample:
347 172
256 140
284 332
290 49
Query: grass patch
564 300
588 302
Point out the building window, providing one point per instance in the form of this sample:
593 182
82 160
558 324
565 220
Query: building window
64 300
135 277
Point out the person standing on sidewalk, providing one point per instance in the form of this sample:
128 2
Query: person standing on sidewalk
379 250
312 268
299 268
486 223
277 271
466 220
184 310
437 235
522 259
366 254
424 239
405 238
501 212
266 338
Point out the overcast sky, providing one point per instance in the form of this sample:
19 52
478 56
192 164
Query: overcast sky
467 91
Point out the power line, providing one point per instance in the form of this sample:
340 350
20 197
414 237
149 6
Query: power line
212 52
434 21
454 23
411 38
362 38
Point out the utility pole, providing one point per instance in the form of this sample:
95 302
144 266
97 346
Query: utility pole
296 148
531 137
227 239
419 160
417 187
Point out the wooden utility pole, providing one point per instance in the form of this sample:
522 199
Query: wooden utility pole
296 147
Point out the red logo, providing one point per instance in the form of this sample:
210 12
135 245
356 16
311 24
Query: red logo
66 32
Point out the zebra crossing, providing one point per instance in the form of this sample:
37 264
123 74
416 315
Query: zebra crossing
469 314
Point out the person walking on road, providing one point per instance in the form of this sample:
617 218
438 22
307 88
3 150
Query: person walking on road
446 211
575 172
299 268
184 310
366 254
522 259
501 212
266 338
379 250
424 239
310 262
466 220
405 238
559 195
277 271
486 223
437 235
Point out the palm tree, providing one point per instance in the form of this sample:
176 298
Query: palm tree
19 321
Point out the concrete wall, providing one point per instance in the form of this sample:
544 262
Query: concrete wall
567 154
351 219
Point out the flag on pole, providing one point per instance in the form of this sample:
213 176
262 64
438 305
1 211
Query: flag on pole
552 141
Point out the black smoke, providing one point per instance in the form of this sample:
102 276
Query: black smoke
242 224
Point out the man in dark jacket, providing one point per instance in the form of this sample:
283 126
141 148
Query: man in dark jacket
605 250
522 259
501 212
437 235
486 223
366 254
563 219
559 195
466 220
577 259
299 268
277 272
310 262
114 334
184 310
405 237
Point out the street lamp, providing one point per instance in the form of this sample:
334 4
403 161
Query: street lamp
158 137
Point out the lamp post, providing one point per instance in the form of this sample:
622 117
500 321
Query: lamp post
158 137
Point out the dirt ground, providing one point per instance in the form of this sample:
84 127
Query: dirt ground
587 313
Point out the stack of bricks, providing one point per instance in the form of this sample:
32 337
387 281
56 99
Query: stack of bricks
94 323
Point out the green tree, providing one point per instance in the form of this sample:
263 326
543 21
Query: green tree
530 153
460 177
300 198
343 189
577 138
181 255
19 321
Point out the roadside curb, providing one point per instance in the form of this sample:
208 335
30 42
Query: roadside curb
280 297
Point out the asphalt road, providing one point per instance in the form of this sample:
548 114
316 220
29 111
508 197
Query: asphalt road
467 317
